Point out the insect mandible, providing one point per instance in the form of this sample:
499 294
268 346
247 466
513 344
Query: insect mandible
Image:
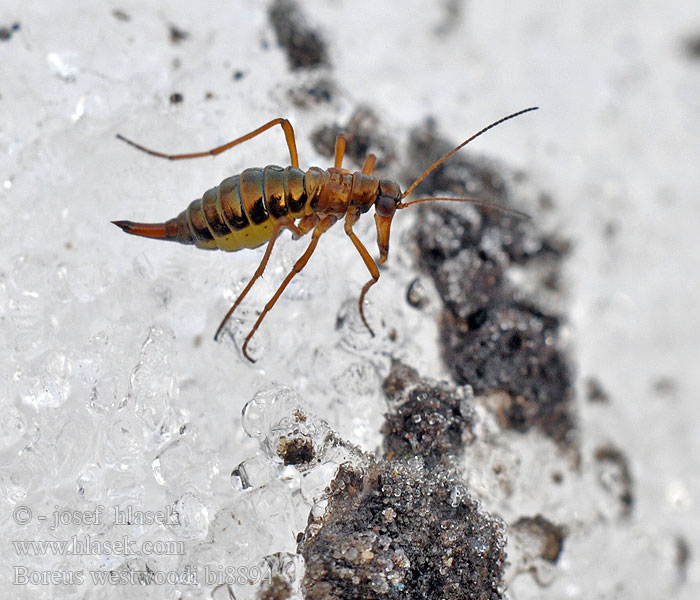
250 209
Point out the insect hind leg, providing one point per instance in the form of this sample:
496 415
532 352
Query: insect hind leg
283 223
322 227
284 123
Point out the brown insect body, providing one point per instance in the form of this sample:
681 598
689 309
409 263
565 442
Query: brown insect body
241 211
250 209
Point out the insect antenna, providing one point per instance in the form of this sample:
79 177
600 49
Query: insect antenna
438 162
475 201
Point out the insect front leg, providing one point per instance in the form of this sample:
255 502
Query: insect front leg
368 167
340 144
350 219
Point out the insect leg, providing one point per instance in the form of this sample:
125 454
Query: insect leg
286 127
306 224
322 227
283 223
350 219
368 167
339 150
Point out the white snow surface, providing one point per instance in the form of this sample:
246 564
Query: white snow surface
113 391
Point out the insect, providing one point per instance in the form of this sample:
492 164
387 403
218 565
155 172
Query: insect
253 208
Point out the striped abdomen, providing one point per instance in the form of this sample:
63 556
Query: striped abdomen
241 211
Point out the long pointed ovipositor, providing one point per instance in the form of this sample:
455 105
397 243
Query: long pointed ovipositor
151 230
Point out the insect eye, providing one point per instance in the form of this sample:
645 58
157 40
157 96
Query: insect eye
385 206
